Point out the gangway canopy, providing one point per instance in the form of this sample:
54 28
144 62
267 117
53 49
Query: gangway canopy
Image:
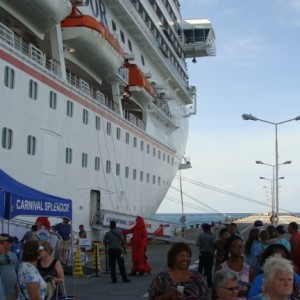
17 199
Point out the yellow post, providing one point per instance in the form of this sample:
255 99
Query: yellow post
78 270
96 259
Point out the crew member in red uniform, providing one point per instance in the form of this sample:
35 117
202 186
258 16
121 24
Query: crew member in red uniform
138 247
295 246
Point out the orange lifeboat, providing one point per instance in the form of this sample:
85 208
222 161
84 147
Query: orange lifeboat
95 48
137 82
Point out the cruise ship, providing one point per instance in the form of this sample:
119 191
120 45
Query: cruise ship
95 101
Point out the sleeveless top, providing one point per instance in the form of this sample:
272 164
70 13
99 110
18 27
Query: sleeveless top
49 271
243 277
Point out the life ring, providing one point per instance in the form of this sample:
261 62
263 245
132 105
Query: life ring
273 219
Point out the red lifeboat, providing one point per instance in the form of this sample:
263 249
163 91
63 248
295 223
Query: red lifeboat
138 83
96 49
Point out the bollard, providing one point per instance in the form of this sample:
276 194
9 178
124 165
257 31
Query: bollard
78 270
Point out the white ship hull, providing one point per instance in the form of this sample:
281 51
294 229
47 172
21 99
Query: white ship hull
75 128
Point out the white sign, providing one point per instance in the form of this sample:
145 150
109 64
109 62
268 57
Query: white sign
85 243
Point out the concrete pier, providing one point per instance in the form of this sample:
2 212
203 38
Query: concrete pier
92 287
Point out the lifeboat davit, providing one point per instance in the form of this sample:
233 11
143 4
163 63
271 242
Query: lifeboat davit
138 84
96 50
38 15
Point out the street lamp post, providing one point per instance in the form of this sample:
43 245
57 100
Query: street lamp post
272 184
253 118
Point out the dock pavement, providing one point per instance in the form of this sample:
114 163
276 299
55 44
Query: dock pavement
95 286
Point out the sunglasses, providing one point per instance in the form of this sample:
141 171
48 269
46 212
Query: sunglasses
231 289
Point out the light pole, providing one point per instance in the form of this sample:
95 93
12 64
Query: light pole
252 118
259 162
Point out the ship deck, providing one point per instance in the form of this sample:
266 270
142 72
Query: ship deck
94 286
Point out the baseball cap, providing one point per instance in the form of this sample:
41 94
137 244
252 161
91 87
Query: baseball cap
6 237
280 229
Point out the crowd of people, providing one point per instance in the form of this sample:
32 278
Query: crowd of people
263 266
32 268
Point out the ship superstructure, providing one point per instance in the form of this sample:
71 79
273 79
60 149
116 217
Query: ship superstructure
95 99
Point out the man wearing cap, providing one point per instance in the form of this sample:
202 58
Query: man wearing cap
205 242
279 237
8 267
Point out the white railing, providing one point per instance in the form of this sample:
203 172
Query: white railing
10 39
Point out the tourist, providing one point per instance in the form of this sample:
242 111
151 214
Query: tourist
253 250
178 279
233 229
138 244
295 245
271 250
205 242
116 244
219 247
264 239
259 225
234 248
30 235
50 269
64 229
82 235
2 290
279 237
8 267
225 285
278 279
31 285
271 230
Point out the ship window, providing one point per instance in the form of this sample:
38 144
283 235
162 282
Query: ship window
148 148
164 156
97 163
114 27
118 168
84 160
127 138
118 133
85 116
33 89
129 45
141 176
134 174
148 177
9 77
68 156
122 36
159 154
70 108
97 123
31 145
142 145
7 138
126 172
52 100
134 142
143 60
153 179
172 161
108 166
108 128
154 152
168 159
158 180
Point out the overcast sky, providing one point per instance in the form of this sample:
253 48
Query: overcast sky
257 71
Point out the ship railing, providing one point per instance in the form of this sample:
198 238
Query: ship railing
133 119
16 42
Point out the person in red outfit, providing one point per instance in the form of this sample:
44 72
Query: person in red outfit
138 247
295 245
